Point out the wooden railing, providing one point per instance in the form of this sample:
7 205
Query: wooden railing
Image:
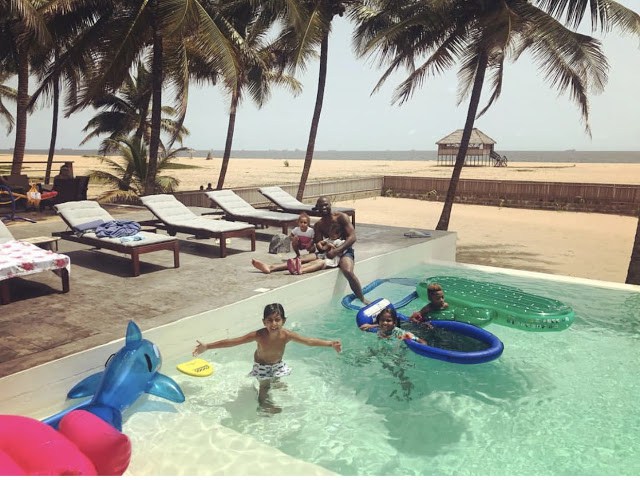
337 190
592 197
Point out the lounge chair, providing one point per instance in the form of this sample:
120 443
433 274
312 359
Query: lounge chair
290 204
80 213
237 209
176 217
19 258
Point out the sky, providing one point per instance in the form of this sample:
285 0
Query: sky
529 115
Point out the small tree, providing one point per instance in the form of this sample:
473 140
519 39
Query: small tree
128 177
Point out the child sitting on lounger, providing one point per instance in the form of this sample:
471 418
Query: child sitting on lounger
271 341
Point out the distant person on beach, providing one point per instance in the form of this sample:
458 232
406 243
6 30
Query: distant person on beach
436 303
271 342
302 235
63 174
388 326
209 187
329 221
202 188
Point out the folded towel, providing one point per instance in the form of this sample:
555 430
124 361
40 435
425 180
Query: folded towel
131 238
87 227
118 228
416 234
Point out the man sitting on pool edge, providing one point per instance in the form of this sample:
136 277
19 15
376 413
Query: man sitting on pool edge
322 229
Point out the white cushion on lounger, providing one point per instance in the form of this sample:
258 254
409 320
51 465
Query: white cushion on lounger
5 234
236 206
84 211
174 213
282 198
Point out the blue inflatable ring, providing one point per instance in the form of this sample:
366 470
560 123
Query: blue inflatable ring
369 313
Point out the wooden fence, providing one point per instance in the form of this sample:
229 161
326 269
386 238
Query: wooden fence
588 197
336 190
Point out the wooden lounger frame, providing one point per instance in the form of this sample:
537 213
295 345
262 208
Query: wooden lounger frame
284 225
4 284
308 209
205 234
134 250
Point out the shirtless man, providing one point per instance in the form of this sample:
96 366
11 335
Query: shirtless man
322 230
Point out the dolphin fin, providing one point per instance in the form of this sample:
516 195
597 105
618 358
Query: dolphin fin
165 387
133 333
86 387
111 415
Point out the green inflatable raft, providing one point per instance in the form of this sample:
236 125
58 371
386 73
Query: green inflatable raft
480 303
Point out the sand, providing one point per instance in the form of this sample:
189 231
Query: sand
588 245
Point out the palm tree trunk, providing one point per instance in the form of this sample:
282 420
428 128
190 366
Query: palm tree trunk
21 109
443 222
230 129
322 80
54 130
633 274
156 106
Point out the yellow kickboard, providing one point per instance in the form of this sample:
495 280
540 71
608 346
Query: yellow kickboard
196 367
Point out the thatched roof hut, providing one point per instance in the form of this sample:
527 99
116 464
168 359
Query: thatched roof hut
479 153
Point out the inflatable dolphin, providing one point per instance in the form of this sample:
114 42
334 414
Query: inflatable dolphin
129 373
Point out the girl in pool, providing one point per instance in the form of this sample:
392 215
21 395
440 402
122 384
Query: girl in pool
387 324
271 341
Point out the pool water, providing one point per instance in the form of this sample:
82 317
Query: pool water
554 403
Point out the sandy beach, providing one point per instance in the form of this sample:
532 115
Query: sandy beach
585 245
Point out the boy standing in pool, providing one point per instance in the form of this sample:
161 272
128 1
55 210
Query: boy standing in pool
436 303
271 342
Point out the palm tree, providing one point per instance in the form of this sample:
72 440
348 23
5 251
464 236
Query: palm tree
126 112
157 30
22 31
258 64
481 35
320 18
6 93
129 176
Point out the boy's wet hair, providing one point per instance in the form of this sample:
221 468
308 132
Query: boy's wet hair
273 308
433 287
392 312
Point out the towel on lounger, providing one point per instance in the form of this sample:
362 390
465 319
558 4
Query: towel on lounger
117 229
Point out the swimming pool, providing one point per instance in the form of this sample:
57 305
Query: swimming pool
555 403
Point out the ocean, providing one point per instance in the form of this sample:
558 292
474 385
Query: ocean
566 156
